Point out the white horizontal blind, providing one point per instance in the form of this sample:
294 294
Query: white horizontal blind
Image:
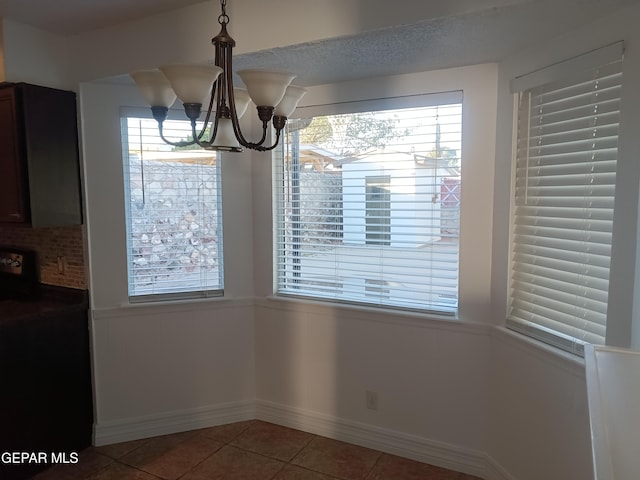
174 236
564 197
368 208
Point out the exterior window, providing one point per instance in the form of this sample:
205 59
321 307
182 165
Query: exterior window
378 210
563 213
368 207
174 236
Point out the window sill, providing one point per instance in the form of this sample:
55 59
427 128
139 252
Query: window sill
170 306
371 313
548 353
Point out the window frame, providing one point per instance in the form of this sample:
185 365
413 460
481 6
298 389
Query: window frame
195 293
443 98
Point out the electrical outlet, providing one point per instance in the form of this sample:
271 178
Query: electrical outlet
371 400
61 265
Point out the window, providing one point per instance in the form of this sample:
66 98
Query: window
564 194
174 236
368 205
378 210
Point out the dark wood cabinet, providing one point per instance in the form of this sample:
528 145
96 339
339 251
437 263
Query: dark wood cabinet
39 156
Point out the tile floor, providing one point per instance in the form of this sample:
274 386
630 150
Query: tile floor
253 450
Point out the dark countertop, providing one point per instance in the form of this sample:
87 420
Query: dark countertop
50 299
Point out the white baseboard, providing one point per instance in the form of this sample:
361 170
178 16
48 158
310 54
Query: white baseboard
106 433
472 462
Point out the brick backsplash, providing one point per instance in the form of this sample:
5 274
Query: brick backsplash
50 244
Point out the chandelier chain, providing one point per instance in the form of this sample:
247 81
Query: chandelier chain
223 19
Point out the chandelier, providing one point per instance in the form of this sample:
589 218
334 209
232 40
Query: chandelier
195 85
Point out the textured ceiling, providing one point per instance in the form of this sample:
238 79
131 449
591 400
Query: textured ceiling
458 40
486 35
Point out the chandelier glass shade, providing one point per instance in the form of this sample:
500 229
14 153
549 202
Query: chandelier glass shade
224 105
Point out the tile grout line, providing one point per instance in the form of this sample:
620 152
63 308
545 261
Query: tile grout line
222 445
375 464
289 462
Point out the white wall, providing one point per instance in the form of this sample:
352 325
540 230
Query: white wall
538 418
166 369
316 362
34 56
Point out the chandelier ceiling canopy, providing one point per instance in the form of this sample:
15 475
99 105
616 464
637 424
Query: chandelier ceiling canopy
195 85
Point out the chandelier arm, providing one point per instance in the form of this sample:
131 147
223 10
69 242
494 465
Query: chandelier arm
224 59
197 136
220 85
160 114
227 60
208 115
215 94
264 114
174 144
252 145
215 91
214 130
198 139
192 111
279 122
261 148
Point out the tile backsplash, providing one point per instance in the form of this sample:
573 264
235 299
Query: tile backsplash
60 251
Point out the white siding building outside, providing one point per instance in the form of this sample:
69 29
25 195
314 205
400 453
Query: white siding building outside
413 182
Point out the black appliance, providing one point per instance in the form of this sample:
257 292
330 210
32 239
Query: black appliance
18 274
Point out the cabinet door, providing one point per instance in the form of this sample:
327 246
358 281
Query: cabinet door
13 206
51 146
